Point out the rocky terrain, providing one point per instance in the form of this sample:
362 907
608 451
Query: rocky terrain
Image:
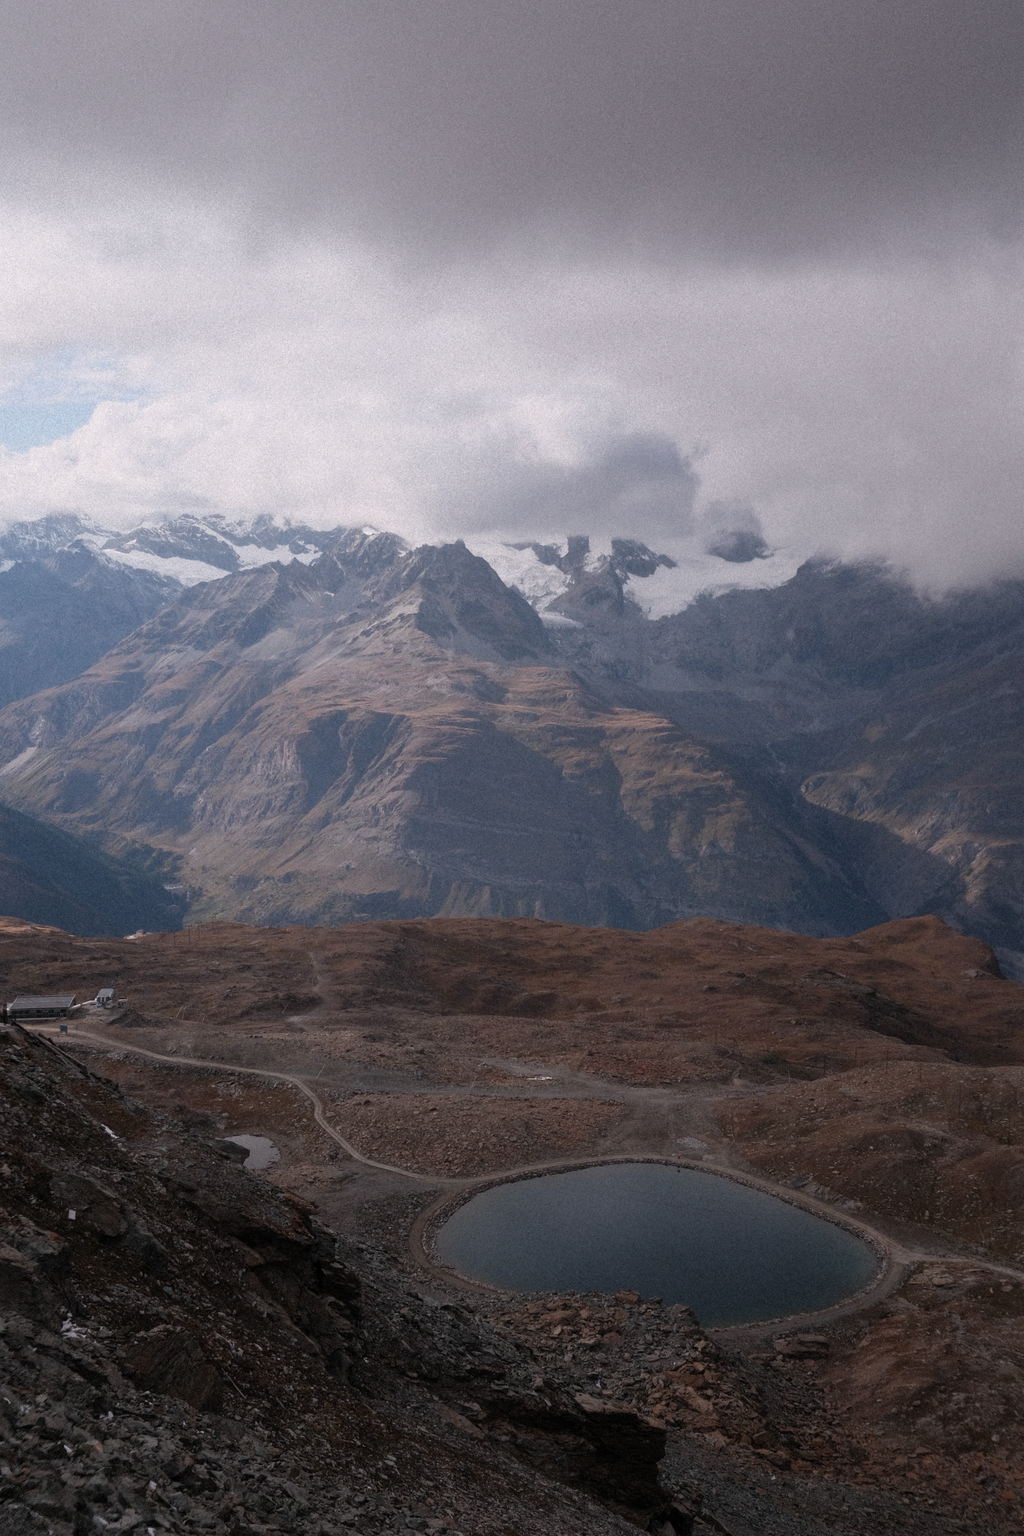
875 1078
185 1349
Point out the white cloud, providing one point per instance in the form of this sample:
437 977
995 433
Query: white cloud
858 406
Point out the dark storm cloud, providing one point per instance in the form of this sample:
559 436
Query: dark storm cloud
752 127
443 262
638 479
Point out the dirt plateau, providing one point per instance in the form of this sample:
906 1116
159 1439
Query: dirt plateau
875 1078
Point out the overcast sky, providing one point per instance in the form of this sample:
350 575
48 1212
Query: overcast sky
618 266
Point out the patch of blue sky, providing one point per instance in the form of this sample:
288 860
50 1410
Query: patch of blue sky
36 426
57 394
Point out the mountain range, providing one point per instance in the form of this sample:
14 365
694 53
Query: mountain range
328 725
69 589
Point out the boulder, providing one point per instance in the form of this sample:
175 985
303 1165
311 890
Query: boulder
29 1259
803 1346
172 1360
96 1209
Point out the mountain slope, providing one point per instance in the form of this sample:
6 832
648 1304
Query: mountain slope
912 740
379 731
939 767
61 611
388 732
69 590
50 877
890 724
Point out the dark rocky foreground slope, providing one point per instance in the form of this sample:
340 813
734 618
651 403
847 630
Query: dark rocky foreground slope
183 1348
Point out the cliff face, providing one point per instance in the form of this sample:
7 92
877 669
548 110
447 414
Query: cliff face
890 723
926 782
387 732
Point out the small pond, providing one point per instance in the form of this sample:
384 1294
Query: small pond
261 1150
732 1253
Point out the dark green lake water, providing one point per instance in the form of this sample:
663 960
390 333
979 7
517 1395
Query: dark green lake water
733 1254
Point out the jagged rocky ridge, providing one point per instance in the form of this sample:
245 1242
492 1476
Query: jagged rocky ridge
70 590
389 732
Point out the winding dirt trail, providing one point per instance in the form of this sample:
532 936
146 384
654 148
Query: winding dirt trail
897 1259
227 1066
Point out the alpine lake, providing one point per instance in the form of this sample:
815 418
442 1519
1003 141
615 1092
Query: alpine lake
733 1253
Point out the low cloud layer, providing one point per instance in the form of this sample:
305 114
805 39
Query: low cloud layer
623 481
524 270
